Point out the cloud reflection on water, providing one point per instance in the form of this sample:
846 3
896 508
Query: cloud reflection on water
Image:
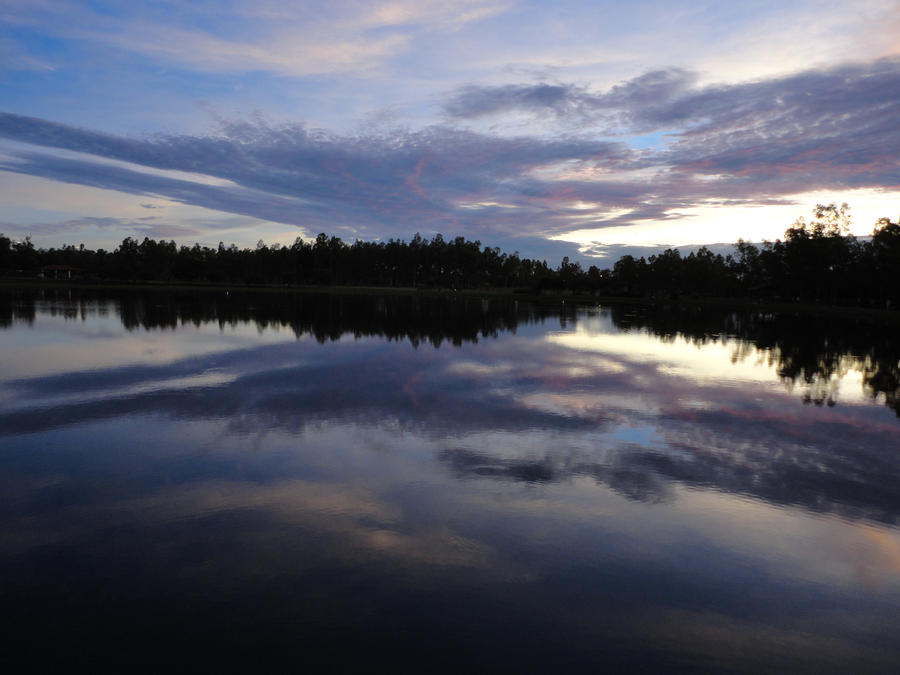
589 384
581 496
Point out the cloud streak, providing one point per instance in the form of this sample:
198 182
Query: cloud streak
240 36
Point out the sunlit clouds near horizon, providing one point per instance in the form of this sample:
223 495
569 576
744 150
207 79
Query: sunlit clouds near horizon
578 128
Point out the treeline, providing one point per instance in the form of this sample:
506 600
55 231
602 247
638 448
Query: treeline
817 262
327 261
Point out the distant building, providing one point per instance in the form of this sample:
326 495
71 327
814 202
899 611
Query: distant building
58 272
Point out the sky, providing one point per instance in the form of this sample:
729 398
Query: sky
581 128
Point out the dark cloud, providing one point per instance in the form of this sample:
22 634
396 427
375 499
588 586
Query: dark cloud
573 102
748 143
672 100
563 100
832 128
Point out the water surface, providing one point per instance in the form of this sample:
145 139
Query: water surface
253 478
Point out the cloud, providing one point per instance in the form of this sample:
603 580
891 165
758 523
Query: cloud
74 226
15 57
408 179
102 175
822 127
340 36
671 100
571 102
747 144
433 14
606 255
562 100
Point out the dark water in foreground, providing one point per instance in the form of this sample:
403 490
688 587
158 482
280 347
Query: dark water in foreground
265 480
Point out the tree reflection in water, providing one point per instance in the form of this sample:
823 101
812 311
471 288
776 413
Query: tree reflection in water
809 351
813 352
431 319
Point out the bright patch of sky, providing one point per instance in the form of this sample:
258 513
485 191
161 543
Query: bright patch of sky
703 224
676 123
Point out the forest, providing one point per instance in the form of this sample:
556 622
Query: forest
816 262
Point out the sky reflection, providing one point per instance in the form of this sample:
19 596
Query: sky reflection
565 485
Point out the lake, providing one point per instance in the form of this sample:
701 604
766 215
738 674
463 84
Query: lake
263 479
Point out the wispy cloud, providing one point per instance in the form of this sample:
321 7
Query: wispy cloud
241 36
290 174
76 227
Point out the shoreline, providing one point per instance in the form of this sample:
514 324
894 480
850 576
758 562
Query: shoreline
697 302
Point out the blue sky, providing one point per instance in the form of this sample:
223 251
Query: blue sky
580 128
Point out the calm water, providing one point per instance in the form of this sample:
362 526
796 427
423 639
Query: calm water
274 479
